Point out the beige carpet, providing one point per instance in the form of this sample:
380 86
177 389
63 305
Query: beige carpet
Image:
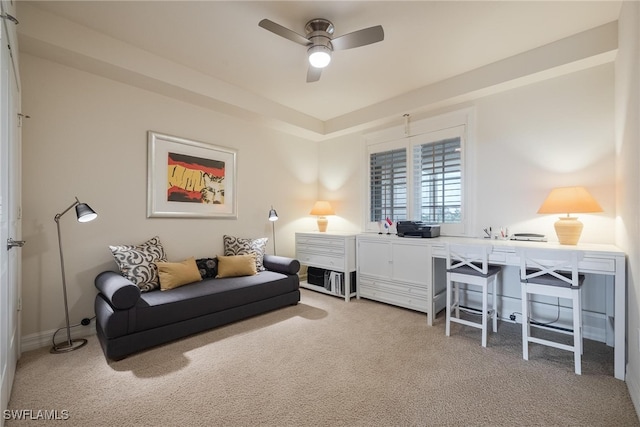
325 362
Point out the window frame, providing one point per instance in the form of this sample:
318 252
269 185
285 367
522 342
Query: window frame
434 129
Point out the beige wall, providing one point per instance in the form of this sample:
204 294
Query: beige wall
558 132
554 133
87 137
627 107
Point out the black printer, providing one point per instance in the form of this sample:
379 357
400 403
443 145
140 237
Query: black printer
417 229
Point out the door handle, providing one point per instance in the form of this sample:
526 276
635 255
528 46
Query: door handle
15 243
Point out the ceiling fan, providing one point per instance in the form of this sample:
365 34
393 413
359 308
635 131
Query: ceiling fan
320 42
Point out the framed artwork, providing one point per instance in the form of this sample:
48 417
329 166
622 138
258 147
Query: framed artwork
190 179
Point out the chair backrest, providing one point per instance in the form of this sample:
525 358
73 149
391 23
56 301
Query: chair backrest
550 263
475 257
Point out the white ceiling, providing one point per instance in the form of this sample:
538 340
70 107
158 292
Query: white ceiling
425 41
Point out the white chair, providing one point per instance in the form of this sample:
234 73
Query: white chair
553 273
470 264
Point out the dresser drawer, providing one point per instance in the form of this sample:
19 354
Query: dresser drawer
331 242
413 302
396 287
320 260
320 249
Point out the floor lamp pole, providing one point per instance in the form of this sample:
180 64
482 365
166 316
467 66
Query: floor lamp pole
70 344
273 217
273 230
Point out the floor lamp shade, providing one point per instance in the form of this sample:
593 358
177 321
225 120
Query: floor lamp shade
569 200
84 214
273 217
322 208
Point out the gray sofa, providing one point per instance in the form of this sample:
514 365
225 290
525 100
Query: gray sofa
128 321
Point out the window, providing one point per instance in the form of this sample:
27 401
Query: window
419 176
438 181
388 185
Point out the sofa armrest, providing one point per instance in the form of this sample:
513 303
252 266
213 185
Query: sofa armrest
281 264
119 291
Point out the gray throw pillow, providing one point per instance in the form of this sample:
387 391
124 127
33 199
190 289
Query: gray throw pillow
208 267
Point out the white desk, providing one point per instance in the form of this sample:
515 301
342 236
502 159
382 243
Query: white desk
602 259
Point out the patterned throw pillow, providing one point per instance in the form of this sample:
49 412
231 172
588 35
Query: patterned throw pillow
208 267
137 262
239 246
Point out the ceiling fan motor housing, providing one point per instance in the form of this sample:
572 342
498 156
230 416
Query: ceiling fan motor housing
319 33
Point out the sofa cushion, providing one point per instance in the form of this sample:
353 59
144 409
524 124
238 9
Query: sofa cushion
137 262
156 308
118 290
281 264
175 274
208 267
236 266
240 246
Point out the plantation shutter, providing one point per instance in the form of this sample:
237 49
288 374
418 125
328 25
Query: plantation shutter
438 181
388 185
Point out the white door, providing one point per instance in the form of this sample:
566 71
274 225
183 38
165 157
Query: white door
374 258
10 203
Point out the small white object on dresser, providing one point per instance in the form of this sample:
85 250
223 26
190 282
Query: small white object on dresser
333 252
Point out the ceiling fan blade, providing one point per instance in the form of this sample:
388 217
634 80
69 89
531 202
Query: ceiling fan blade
283 32
359 38
313 74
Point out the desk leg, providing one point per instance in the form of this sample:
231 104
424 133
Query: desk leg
619 350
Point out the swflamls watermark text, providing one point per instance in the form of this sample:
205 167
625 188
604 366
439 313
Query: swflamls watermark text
36 414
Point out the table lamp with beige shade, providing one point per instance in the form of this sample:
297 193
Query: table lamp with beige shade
322 208
569 200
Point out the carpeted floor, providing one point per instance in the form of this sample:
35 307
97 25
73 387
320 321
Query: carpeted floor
326 362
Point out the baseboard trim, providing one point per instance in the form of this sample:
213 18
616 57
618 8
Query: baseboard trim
43 339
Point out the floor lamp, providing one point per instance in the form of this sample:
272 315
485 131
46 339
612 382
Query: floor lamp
84 214
273 217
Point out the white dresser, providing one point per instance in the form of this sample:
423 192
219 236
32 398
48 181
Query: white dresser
399 272
330 251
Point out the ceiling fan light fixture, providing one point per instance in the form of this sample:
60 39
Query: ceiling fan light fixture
319 56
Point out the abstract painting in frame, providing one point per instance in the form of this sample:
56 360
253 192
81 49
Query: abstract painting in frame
188 178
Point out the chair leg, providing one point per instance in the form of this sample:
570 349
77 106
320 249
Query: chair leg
577 332
525 322
495 304
485 313
447 329
581 328
456 298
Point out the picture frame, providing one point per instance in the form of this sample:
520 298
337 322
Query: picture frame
190 179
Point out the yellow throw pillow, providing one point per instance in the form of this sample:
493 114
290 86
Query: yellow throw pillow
237 265
174 274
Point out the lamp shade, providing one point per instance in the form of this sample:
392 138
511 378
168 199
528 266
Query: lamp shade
569 200
322 207
85 213
273 215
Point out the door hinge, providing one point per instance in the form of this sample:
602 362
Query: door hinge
21 117
19 307
10 18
